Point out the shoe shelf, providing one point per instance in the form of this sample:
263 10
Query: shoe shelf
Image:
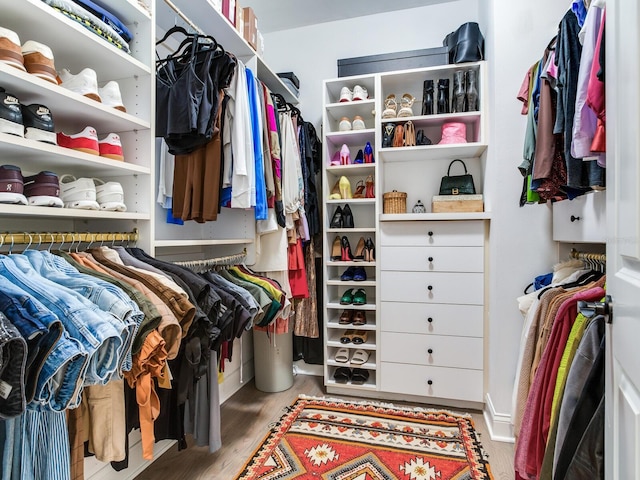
350 136
351 283
340 263
75 47
432 152
333 88
403 217
370 384
334 325
363 108
351 230
8 210
335 334
337 306
370 364
363 169
356 201
471 118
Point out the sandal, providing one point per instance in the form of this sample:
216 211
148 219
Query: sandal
398 136
360 190
370 190
347 336
409 134
346 318
359 357
406 103
359 337
342 375
359 318
342 356
390 107
359 376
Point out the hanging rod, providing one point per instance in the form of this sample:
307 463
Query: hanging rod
183 16
596 257
28 238
200 266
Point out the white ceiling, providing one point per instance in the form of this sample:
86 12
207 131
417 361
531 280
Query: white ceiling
274 15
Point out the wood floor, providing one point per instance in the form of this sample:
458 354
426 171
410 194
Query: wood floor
245 420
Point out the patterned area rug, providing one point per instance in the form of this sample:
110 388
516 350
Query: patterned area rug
332 439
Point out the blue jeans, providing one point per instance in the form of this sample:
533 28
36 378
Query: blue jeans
125 313
60 361
82 319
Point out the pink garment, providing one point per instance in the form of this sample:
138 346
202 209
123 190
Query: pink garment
552 68
523 93
596 99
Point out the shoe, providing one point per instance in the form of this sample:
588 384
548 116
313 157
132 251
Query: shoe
38 60
347 297
344 125
346 317
10 115
335 160
110 196
370 191
347 275
390 107
335 191
345 155
359 376
443 95
342 355
472 91
12 185
336 250
347 217
43 190
336 219
10 51
359 297
360 93
84 141
422 139
78 193
347 336
345 250
38 123
409 134
358 123
359 318
111 147
360 190
368 153
345 188
387 135
346 95
459 93
359 357
358 256
359 157
406 104
427 97
111 96
342 375
84 83
359 274
369 251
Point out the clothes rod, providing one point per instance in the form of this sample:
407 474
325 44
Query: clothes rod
596 257
206 263
183 16
40 238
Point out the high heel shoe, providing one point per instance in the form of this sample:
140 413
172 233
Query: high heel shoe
345 250
359 255
336 250
345 155
345 188
338 219
335 160
369 251
347 217
406 103
459 92
368 153
370 191
360 190
359 157
390 107
335 191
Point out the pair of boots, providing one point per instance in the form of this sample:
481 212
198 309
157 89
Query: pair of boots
465 94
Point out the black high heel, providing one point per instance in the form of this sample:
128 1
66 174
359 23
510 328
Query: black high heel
345 250
472 91
338 218
347 217
369 251
459 91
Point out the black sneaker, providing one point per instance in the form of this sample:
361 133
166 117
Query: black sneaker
38 123
10 115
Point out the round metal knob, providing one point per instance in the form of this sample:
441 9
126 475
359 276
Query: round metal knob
430 320
430 351
430 234
430 259
574 218
429 288
429 382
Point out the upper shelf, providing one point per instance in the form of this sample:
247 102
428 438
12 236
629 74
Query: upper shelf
364 108
74 47
433 152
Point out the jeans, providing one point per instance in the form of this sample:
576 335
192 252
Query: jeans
83 320
125 313
55 375
13 356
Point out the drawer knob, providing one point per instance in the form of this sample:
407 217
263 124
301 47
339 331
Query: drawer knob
429 382
430 288
430 234
430 351
430 259
574 218
430 320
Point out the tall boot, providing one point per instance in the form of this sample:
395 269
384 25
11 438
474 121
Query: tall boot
459 92
472 91
443 95
427 97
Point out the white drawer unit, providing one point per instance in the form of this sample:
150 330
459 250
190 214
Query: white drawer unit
428 381
432 259
433 287
436 350
433 234
432 319
582 219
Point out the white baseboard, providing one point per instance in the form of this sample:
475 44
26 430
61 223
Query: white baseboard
498 424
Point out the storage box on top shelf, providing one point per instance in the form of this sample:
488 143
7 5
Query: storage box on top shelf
229 10
387 62
457 203
217 5
239 18
260 44
250 31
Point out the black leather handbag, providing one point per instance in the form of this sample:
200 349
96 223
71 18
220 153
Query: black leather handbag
466 44
457 184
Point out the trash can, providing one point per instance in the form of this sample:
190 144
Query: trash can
273 361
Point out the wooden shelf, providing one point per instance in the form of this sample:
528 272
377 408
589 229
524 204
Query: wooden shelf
353 201
432 152
352 283
437 119
351 230
50 212
351 137
207 242
403 217
364 108
338 306
350 264
353 169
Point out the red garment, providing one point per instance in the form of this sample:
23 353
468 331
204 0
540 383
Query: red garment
534 432
596 96
297 271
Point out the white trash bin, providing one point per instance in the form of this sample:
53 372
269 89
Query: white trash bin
273 361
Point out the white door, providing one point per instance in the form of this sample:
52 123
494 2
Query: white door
623 240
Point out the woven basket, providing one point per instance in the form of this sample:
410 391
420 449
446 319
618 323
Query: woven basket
394 202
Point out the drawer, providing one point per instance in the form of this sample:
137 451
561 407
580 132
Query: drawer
432 287
436 350
435 319
432 259
452 383
468 233
582 219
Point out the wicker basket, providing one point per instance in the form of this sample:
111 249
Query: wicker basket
394 202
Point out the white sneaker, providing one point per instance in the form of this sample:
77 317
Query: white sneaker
10 51
111 97
110 196
84 83
38 60
344 125
346 95
360 93
78 193
358 123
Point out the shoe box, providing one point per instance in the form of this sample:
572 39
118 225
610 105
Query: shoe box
250 27
427 57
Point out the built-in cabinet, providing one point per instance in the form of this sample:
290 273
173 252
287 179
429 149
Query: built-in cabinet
427 289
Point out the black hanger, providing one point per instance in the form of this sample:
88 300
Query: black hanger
172 30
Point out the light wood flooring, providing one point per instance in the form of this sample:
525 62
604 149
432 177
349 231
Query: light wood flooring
245 420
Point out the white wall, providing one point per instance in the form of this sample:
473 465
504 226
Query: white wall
312 52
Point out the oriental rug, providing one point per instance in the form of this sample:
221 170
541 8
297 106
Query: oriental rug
332 439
